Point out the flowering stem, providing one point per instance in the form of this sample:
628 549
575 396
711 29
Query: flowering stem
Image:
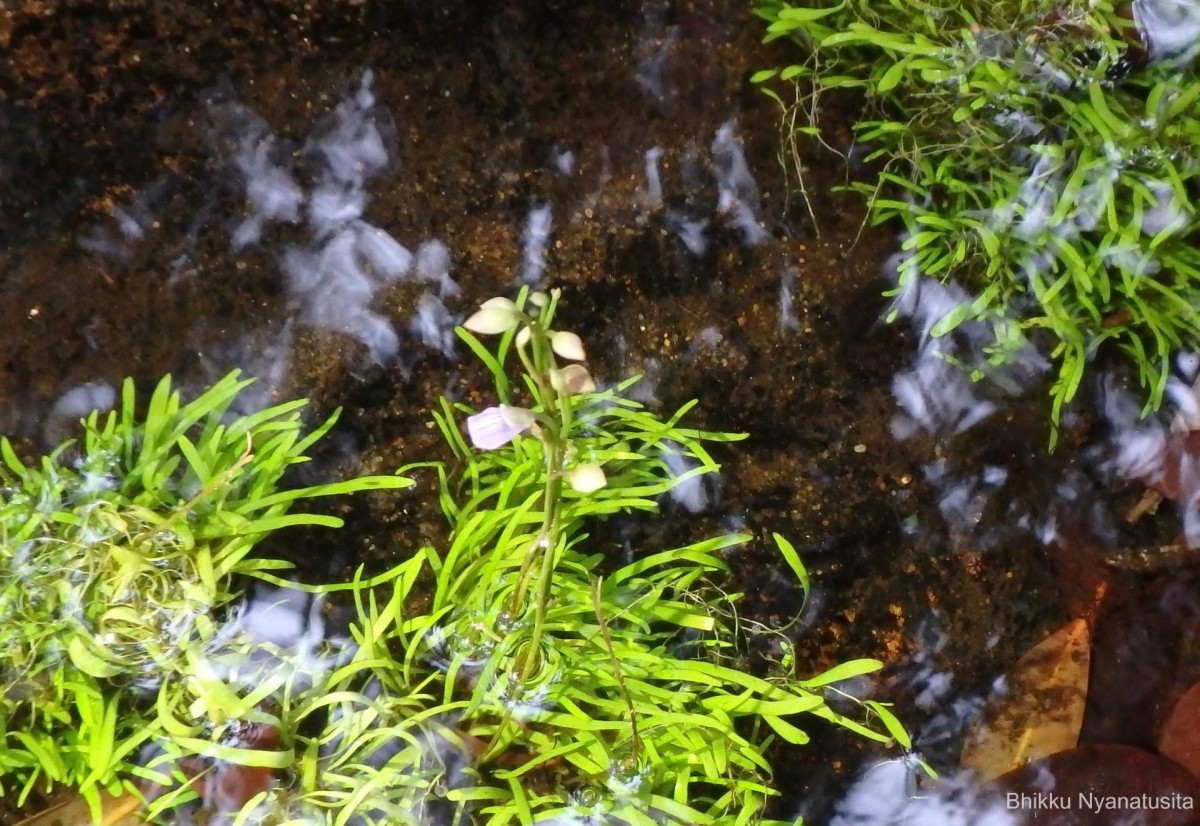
536 346
548 541
547 534
553 441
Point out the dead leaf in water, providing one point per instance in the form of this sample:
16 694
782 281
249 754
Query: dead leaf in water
74 811
1041 712
1102 785
1180 738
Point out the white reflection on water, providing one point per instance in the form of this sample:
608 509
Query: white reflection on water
945 389
1170 28
1163 456
538 226
654 190
788 323
737 193
130 223
75 404
335 275
934 394
886 794
654 51
271 192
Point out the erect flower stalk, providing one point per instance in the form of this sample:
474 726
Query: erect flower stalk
538 348
548 544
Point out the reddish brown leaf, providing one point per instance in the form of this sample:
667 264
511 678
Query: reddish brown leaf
1180 738
1176 478
1101 786
1041 711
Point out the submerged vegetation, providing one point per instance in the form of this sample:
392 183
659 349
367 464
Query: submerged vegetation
526 673
117 556
1041 155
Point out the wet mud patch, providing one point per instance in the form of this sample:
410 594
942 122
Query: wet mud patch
594 131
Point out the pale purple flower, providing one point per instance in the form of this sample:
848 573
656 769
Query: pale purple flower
497 426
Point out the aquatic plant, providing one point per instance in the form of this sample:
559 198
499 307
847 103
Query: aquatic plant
118 553
1041 155
529 673
526 673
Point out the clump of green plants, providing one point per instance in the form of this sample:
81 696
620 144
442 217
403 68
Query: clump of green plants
1041 154
531 674
528 672
118 553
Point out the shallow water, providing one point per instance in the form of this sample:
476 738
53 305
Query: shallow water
317 194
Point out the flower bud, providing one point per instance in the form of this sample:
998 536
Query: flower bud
586 478
572 379
496 315
501 302
539 299
567 345
523 336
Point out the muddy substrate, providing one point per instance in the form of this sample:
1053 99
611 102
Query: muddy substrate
107 109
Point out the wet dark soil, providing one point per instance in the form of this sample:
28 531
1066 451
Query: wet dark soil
111 106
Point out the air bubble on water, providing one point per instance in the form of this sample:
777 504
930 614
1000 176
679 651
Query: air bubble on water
627 778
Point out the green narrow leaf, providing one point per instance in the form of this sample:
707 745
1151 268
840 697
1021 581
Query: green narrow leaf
90 660
793 560
890 723
951 320
786 730
843 671
805 14
892 77
10 458
1180 103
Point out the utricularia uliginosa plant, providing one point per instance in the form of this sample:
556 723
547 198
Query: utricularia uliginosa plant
1040 155
547 677
527 673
